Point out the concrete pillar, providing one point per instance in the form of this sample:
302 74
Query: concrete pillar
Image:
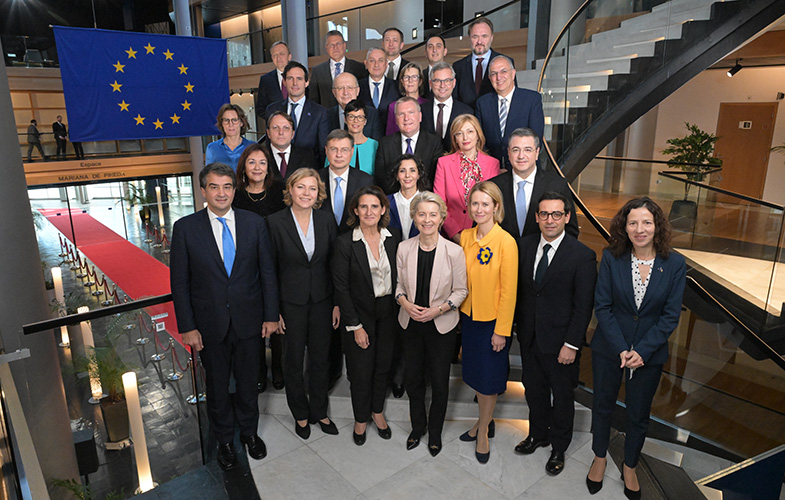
23 300
293 20
182 21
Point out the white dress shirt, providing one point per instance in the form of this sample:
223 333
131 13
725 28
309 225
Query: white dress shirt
509 101
371 86
381 270
396 66
528 188
277 157
446 118
345 177
404 213
298 111
280 78
414 141
551 252
332 66
218 228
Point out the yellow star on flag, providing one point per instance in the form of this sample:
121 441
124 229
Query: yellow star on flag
158 124
139 119
168 55
149 48
118 68
131 53
175 118
183 69
186 105
189 88
123 105
116 86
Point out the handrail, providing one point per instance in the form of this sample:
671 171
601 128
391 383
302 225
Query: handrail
75 319
660 162
675 176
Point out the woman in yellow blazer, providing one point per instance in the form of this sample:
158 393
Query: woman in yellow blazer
486 319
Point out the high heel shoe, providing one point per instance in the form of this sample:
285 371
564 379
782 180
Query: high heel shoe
593 486
468 438
630 494
482 457
385 433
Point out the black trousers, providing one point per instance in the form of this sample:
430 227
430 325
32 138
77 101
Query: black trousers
544 377
639 393
239 358
78 151
61 143
308 327
276 357
427 351
369 368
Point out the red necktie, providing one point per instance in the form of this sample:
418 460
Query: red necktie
283 164
478 75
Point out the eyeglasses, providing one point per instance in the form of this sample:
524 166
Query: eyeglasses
233 121
334 150
554 215
446 81
528 150
355 118
410 78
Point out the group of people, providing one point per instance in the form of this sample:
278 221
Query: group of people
395 247
60 133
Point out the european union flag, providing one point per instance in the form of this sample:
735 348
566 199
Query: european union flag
126 85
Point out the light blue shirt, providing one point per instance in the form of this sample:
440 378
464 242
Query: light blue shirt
485 61
218 151
309 240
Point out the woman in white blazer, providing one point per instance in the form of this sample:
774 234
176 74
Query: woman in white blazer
431 287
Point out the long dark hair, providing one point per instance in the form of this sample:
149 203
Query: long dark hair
620 242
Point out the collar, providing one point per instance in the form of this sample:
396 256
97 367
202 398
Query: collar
400 199
357 234
414 138
508 96
485 58
228 216
286 151
371 81
342 61
554 244
517 178
300 103
447 103
396 61
344 176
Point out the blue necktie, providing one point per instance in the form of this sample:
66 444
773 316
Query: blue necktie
409 146
520 206
337 69
338 201
293 114
376 94
228 247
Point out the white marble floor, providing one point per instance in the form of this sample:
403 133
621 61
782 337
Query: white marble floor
333 467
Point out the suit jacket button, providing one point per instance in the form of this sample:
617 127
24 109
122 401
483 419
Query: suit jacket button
464 211
635 318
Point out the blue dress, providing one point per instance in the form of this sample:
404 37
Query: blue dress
218 151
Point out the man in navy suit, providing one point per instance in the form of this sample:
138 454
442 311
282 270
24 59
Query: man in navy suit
556 278
506 109
310 119
438 115
322 75
225 298
392 42
346 88
472 71
377 90
271 84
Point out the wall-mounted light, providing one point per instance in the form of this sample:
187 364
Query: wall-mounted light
734 69
414 33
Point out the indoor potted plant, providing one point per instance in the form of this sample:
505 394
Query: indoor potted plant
110 370
140 198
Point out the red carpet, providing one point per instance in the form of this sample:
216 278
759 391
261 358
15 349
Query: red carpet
133 271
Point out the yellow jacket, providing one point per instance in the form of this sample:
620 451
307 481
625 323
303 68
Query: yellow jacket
493 285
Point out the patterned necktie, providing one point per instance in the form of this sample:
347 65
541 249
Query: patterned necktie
293 114
342 118
478 75
542 266
337 69
338 201
228 246
440 120
503 114
283 164
376 94
409 146
391 70
520 206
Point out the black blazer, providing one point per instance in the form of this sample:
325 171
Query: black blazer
525 110
267 93
429 122
464 76
321 86
357 179
428 150
302 281
389 94
205 297
544 181
373 127
312 129
352 277
560 310
298 158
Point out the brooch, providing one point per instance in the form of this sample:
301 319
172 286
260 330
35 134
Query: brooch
484 255
659 269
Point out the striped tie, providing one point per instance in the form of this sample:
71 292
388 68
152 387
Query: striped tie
503 114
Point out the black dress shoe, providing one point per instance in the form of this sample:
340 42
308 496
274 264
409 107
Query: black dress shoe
528 445
256 447
385 433
329 427
304 432
593 486
630 494
359 439
413 440
434 448
227 458
261 386
469 438
555 463
278 384
397 391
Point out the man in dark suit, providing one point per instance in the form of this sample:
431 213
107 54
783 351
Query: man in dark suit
61 136
225 298
410 139
438 115
506 109
556 278
271 87
435 51
473 82
322 75
310 119
519 221
377 90
280 132
392 42
346 88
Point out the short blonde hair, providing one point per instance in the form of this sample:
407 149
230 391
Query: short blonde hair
428 197
297 176
495 193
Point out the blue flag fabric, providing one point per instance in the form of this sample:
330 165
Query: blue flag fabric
127 85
